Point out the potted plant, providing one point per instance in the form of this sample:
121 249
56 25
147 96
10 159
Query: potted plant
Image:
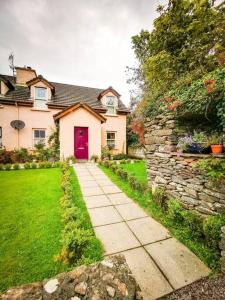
215 142
195 143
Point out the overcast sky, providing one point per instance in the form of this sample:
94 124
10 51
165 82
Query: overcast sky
79 42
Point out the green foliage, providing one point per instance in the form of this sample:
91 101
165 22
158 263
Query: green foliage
42 165
33 165
71 158
176 212
119 156
94 157
26 165
54 144
187 38
160 198
106 153
77 235
214 169
8 167
16 167
212 230
42 153
1 167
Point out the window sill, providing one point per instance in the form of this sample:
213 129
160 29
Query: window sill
40 109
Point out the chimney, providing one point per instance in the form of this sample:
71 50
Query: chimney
24 74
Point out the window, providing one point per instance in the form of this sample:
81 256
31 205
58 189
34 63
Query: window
111 139
110 103
0 137
40 97
39 136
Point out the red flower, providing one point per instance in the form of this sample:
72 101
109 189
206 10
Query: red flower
169 99
209 84
174 105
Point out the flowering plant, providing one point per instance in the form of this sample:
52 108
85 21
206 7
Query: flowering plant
193 143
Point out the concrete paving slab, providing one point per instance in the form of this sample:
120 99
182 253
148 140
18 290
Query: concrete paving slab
151 281
104 215
131 211
91 191
89 183
111 189
100 176
147 230
177 262
97 201
116 238
119 198
104 182
85 178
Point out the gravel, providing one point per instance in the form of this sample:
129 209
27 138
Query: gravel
212 288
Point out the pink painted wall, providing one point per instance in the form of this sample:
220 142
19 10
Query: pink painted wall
80 117
32 118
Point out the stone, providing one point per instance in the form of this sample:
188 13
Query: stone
104 215
177 262
51 286
110 290
75 298
191 192
215 194
205 210
159 179
107 264
116 238
207 198
130 211
147 230
96 201
81 288
147 274
119 198
189 200
92 191
162 132
111 189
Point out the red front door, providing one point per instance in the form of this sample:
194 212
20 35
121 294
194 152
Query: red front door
81 142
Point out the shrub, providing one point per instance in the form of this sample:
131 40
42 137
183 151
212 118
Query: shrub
26 165
5 156
42 165
1 167
71 158
175 212
33 165
212 230
48 164
119 156
57 164
94 157
194 223
8 167
160 198
16 167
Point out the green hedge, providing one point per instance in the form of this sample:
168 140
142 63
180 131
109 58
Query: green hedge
27 165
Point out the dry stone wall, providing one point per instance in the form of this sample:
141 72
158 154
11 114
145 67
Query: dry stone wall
109 279
176 174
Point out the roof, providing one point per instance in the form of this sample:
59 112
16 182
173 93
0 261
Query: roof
75 107
64 96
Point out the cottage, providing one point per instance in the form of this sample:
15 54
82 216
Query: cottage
88 118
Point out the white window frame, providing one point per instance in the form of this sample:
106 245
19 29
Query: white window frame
40 100
115 140
111 106
35 139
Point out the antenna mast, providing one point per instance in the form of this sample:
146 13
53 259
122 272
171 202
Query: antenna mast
11 64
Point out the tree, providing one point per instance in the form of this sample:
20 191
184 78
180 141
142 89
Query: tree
188 40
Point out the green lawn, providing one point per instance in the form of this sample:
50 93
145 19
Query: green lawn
138 169
209 256
30 225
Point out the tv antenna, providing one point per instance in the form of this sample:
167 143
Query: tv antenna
11 63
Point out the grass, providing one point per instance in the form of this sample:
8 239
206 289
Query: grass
94 251
138 169
30 226
207 255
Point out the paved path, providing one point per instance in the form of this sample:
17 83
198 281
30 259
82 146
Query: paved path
159 262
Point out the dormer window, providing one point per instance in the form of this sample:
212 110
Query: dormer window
40 97
110 103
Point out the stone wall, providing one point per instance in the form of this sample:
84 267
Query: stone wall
222 247
109 279
136 152
176 174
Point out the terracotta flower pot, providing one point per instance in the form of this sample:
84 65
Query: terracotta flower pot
216 149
